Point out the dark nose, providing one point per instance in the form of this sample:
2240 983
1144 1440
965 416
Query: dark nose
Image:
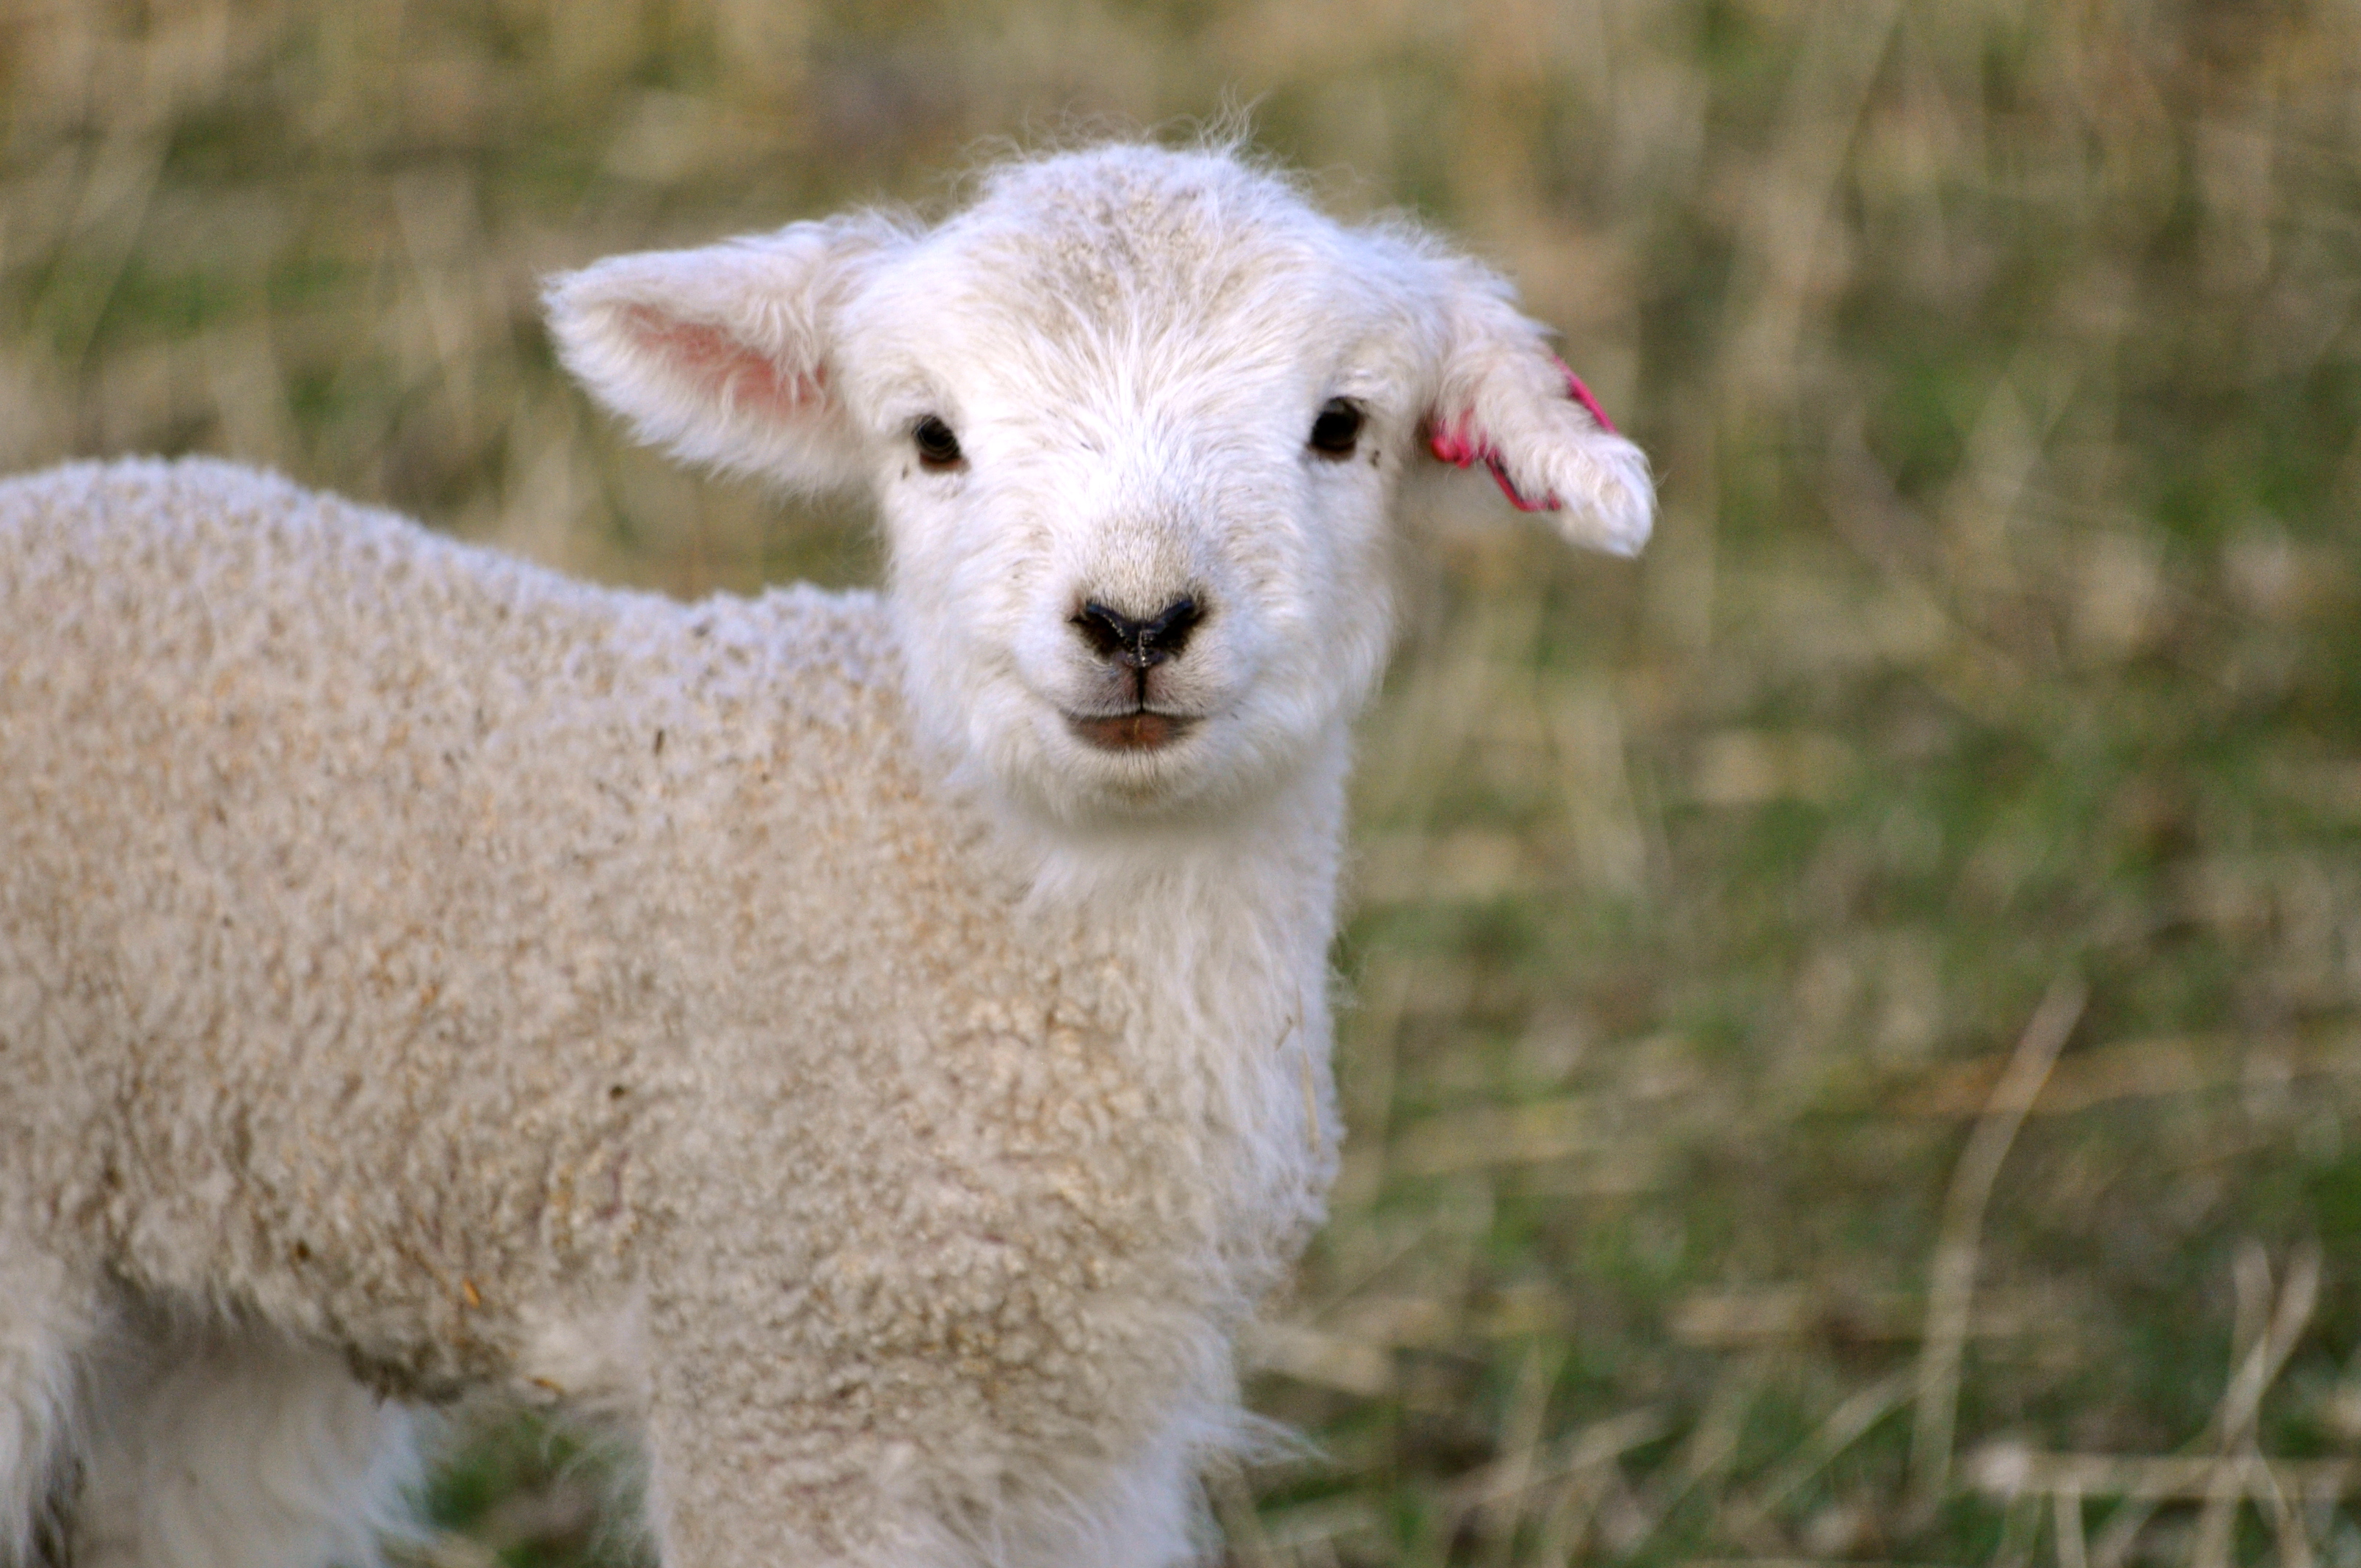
1140 644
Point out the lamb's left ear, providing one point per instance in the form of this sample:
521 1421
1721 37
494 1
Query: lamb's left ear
727 353
1503 400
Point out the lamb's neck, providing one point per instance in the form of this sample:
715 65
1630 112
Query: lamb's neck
1225 936
1254 893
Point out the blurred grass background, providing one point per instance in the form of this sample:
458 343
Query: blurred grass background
1856 1042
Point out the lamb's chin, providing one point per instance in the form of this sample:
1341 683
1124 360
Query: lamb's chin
1169 792
1071 786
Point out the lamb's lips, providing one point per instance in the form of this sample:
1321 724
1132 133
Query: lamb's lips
1139 731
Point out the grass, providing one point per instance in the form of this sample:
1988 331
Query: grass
1712 1194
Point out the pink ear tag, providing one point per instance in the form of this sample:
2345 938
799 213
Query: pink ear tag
1581 394
1458 444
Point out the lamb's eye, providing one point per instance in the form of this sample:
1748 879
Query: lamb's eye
938 448
1337 428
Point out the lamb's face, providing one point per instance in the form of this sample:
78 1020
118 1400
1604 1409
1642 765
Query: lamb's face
1134 421
1137 513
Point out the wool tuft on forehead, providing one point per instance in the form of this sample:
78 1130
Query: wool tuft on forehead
1116 223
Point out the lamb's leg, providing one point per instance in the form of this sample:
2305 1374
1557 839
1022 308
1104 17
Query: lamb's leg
44 1324
742 1478
244 1453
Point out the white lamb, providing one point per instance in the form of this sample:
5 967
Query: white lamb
877 1043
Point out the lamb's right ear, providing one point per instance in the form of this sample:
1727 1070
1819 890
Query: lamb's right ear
724 354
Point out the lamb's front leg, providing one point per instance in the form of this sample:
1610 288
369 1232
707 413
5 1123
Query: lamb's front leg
903 1462
50 1321
748 1470
243 1451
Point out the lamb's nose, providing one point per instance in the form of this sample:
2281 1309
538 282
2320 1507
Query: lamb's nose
1139 643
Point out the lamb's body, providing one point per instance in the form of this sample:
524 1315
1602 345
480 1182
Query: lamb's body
431 958
878 1043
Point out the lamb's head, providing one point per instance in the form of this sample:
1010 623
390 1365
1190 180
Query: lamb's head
1135 420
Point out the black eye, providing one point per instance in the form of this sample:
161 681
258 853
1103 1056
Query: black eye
1337 429
938 448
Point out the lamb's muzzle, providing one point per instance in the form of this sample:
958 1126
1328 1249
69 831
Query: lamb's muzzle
1132 650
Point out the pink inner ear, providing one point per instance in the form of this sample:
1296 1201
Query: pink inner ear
730 369
1461 445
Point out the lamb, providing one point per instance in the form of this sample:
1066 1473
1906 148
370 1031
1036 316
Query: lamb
874 1045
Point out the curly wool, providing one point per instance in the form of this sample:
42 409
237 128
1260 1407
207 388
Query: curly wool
464 930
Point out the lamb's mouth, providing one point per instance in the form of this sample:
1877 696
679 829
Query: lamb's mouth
1140 730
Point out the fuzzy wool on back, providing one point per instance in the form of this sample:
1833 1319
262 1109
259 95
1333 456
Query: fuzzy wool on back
764 1020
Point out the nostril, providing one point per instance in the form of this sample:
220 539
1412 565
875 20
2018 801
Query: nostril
1115 636
1169 632
1110 633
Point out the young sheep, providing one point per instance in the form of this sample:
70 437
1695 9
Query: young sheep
877 1043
